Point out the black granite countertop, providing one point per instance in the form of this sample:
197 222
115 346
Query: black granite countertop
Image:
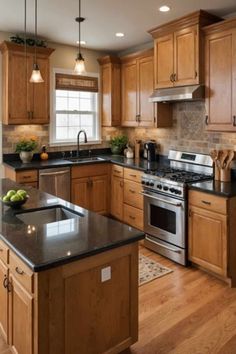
138 164
45 246
223 189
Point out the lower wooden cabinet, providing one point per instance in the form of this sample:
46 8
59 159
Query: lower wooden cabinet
133 216
4 301
117 197
27 177
208 239
90 187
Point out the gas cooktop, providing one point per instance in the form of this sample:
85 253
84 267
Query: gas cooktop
177 175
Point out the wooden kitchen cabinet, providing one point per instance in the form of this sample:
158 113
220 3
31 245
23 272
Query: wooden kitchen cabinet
178 48
65 310
137 86
24 102
110 90
211 235
220 69
117 191
4 301
90 187
26 177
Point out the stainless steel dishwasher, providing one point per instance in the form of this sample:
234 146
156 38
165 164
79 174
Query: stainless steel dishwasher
55 181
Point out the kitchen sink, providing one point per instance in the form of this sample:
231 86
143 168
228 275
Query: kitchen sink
47 215
85 159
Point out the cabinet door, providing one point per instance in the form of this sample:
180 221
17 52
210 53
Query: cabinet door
106 95
145 72
164 61
39 94
18 89
80 192
221 81
99 194
186 53
117 196
3 302
208 239
20 319
129 94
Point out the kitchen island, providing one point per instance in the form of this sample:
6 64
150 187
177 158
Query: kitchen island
70 281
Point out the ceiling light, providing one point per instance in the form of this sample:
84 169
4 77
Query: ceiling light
36 76
119 34
81 42
79 61
164 8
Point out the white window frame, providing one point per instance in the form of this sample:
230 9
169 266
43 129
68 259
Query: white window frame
52 134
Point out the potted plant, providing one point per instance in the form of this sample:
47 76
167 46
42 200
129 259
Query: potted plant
25 148
118 144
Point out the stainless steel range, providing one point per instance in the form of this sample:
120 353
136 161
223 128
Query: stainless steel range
165 202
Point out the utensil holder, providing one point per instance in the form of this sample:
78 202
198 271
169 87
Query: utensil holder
225 175
217 173
137 150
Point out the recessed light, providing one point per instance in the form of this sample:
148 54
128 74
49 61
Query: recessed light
119 34
81 42
164 8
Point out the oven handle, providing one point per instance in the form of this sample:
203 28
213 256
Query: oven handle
161 200
163 246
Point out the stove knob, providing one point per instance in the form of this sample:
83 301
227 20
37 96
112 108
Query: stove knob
172 190
159 186
151 184
179 192
143 182
165 188
147 183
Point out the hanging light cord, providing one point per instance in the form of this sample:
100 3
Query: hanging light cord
25 49
35 30
79 23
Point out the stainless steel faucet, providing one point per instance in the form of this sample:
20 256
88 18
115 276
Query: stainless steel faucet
85 140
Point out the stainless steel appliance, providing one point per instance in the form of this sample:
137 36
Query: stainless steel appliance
149 150
55 181
165 202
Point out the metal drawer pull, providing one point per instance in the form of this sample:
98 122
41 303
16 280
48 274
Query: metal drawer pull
161 200
163 246
54 173
117 171
131 191
5 282
19 271
205 202
132 217
234 121
133 176
26 177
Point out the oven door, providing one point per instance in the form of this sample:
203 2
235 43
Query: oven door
164 217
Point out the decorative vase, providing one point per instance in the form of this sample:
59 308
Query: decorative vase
116 150
26 156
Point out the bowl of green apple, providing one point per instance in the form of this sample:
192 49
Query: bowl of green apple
15 198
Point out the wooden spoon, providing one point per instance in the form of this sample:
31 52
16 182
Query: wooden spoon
223 158
230 157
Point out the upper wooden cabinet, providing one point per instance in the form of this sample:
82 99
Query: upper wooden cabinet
220 49
24 102
137 86
178 48
110 90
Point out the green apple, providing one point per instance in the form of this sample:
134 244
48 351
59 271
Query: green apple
6 198
22 192
15 198
11 192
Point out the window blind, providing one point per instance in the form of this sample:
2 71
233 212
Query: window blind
76 83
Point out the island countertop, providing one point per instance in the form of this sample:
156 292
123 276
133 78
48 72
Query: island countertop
45 246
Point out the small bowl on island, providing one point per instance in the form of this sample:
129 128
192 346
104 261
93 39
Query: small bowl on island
15 199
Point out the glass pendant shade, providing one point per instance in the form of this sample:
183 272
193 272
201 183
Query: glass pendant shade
79 64
36 76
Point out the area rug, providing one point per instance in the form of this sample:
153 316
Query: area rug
150 270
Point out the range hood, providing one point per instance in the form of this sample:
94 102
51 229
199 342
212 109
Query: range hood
175 94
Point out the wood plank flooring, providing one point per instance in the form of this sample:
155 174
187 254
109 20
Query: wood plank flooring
184 312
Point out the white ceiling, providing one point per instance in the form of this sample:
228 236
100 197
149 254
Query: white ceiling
103 19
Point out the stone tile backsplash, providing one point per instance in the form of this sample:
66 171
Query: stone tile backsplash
187 133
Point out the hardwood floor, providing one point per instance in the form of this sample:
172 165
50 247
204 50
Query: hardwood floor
184 312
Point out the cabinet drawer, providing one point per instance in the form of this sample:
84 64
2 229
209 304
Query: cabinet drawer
133 216
208 201
27 176
132 175
132 194
117 171
4 252
21 272
90 170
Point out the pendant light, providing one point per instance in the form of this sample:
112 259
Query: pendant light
36 76
79 61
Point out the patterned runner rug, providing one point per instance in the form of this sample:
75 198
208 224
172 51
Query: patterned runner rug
150 270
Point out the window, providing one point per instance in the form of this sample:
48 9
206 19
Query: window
75 108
